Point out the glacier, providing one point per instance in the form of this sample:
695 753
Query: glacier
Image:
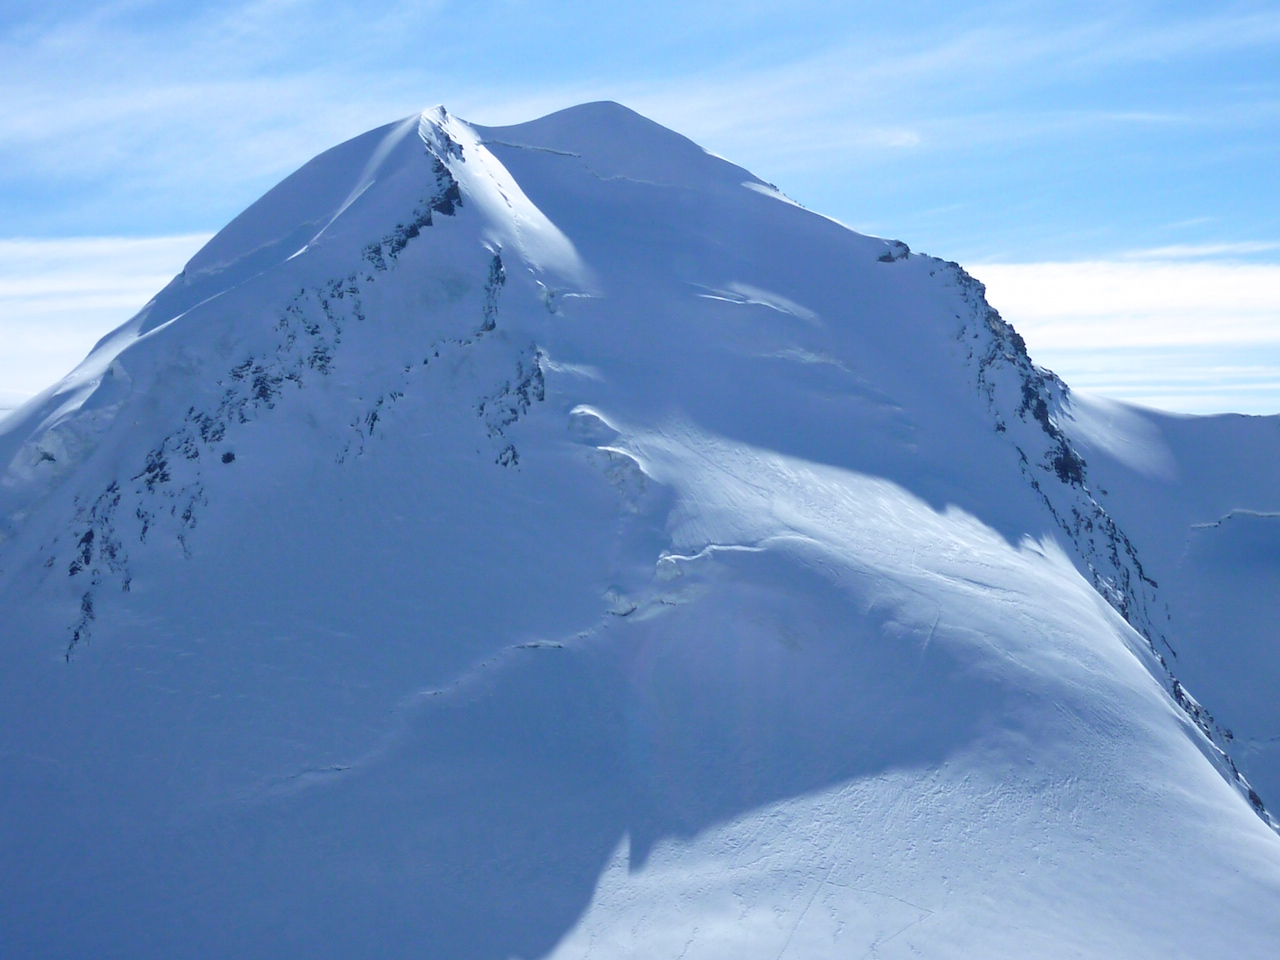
552 541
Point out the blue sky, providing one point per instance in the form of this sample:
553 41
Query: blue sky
1138 141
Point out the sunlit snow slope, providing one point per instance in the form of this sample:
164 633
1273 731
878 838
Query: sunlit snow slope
551 541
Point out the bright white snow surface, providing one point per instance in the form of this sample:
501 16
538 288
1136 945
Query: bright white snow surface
549 541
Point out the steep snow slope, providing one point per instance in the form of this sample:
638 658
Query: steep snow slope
1200 496
549 540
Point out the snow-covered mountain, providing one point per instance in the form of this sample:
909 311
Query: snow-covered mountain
551 541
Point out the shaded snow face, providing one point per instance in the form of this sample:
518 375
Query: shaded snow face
495 535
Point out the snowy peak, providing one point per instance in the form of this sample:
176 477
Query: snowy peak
547 540
302 208
400 175
614 142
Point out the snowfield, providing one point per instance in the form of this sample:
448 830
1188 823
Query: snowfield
551 541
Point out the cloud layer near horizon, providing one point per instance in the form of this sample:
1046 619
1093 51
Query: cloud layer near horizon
1193 337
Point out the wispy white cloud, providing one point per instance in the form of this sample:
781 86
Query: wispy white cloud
1189 251
141 102
1218 31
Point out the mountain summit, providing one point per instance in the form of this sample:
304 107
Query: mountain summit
552 541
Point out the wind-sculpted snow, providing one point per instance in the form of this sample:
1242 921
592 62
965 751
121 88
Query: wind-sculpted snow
550 541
